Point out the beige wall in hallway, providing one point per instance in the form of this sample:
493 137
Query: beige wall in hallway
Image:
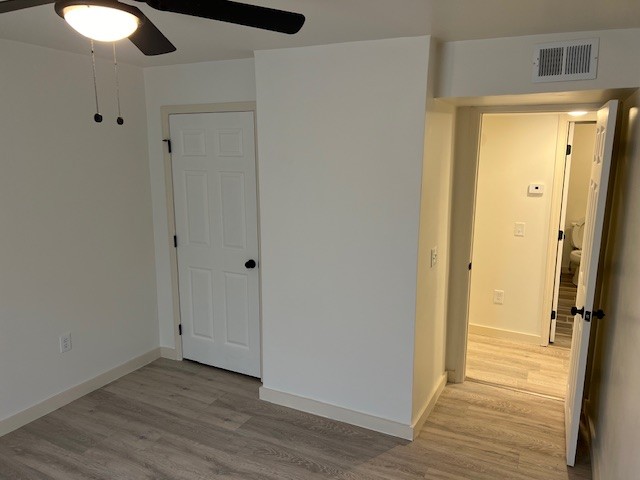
516 150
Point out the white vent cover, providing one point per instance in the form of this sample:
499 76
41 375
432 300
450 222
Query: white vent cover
560 61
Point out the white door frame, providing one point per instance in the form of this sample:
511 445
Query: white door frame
466 178
165 112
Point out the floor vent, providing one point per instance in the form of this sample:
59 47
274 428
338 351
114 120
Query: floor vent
560 61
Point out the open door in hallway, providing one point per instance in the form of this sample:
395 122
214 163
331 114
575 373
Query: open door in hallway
583 312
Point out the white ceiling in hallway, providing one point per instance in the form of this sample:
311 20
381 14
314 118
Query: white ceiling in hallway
333 21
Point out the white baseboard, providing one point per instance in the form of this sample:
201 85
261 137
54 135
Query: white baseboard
168 352
333 412
428 407
61 399
506 334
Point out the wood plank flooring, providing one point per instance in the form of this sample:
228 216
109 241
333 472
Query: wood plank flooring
520 366
566 299
181 420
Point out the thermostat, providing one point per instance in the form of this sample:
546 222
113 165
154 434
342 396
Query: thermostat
536 189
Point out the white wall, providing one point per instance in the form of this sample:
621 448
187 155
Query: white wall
435 210
584 139
503 66
431 298
77 238
340 142
515 151
199 83
613 398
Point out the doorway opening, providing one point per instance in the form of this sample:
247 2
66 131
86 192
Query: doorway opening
519 333
466 171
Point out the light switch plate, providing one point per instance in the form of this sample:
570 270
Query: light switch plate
518 229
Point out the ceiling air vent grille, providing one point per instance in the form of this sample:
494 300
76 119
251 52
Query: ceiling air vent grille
573 60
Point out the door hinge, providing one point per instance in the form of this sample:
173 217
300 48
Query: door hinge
179 329
175 241
560 235
469 265
568 149
168 142
553 315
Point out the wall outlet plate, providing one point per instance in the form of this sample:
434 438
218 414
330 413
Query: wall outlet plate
434 256
519 229
498 297
65 342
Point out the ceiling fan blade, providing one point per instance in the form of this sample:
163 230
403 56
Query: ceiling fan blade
13 5
149 39
234 12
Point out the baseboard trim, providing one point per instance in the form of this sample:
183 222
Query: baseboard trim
428 407
63 398
168 352
340 414
505 334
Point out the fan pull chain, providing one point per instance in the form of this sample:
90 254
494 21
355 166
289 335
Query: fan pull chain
120 120
97 117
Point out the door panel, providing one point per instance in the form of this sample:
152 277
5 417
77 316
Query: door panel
201 302
215 203
234 232
594 221
195 185
237 314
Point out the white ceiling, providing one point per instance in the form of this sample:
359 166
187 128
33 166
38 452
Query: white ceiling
333 21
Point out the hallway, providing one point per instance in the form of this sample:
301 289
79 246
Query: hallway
484 432
520 366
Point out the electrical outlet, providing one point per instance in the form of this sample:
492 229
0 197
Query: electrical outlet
65 342
498 297
434 256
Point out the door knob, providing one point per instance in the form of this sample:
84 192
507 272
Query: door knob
250 264
574 311
599 314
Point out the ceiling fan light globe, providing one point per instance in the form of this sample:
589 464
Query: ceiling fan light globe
100 23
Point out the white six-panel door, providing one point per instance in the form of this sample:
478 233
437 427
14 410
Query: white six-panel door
594 220
214 182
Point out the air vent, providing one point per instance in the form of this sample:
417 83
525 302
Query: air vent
573 60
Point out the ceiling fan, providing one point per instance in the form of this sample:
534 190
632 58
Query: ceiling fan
110 20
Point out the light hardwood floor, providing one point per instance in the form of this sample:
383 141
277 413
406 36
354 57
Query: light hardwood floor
520 366
181 420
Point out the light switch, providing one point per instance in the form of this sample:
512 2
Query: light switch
434 256
518 230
